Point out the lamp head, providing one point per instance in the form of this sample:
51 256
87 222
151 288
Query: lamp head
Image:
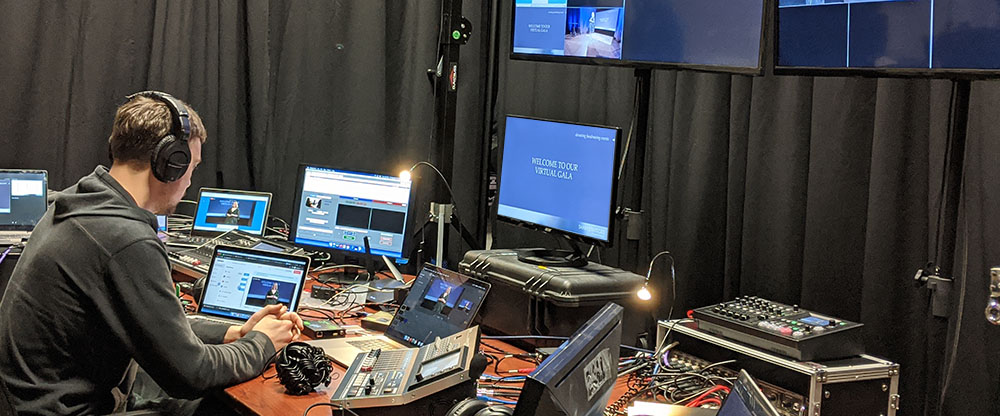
644 294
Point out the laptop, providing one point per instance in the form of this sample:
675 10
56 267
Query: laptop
744 399
241 281
222 210
23 196
440 303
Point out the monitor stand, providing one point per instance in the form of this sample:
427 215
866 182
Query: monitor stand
553 257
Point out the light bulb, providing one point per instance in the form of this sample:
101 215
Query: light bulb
644 293
404 175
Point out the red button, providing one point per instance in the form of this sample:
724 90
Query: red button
196 262
786 331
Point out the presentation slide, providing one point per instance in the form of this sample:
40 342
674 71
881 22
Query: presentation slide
918 34
558 175
704 32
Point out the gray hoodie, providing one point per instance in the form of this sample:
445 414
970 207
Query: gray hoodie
91 293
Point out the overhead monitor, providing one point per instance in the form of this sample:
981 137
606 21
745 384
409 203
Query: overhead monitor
578 378
920 37
337 209
720 35
560 177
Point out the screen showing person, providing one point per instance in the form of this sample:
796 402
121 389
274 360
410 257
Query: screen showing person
264 292
337 209
559 175
441 296
224 210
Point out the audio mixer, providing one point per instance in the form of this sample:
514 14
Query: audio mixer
784 329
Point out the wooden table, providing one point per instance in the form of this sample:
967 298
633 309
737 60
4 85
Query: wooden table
266 396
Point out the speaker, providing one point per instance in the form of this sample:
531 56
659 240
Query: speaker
171 157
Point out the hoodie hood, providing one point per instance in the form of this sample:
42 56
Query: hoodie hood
99 194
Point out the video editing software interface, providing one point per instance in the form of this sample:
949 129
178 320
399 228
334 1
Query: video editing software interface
921 34
558 175
22 199
222 210
338 209
241 283
703 32
440 303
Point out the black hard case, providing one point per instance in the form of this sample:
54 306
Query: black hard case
526 299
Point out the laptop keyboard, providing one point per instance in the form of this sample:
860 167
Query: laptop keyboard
205 318
372 344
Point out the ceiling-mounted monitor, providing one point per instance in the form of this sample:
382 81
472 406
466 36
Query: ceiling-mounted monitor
709 35
936 38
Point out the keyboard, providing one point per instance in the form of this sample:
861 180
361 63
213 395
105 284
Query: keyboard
373 344
8 238
187 241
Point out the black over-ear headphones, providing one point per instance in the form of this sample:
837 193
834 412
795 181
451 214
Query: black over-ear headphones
476 407
171 157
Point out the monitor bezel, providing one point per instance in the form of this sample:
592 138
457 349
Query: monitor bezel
294 225
742 70
969 74
539 227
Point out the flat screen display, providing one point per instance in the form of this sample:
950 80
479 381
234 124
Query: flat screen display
241 282
559 176
703 33
927 35
22 198
440 304
336 209
221 210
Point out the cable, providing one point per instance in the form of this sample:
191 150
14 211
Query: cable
5 252
301 367
334 405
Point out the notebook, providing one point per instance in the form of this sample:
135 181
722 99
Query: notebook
440 303
222 210
23 196
241 281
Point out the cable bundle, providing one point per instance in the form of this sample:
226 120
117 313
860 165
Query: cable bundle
301 367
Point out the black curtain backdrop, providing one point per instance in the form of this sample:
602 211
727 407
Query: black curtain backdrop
817 191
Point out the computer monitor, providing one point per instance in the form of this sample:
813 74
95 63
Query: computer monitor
23 196
920 37
578 378
560 177
222 210
712 35
337 209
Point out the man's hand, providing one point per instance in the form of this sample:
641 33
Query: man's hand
279 312
280 331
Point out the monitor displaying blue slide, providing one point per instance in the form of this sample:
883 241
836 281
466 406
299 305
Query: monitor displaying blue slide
221 210
559 176
925 35
724 34
337 209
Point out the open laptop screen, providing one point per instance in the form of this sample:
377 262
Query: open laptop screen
440 303
22 198
221 210
242 281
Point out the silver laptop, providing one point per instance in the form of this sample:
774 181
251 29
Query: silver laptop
242 281
23 196
222 210
440 303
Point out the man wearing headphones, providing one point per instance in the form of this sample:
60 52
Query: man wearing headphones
92 295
